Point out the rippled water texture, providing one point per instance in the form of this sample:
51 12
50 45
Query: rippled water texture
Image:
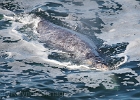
31 71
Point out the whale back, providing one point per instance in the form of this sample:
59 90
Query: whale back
67 40
45 27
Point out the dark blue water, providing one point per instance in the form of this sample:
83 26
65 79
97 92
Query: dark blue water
31 71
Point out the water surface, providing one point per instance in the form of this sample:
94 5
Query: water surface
31 71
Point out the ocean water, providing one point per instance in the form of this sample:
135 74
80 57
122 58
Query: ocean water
31 71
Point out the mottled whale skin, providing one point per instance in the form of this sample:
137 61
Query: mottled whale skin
73 42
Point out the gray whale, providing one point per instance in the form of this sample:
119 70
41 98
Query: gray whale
73 42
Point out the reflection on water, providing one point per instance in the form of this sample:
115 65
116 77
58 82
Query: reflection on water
28 70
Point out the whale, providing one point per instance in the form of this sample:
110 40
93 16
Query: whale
80 46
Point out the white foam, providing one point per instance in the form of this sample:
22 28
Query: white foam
93 79
107 79
132 50
6 12
125 28
32 51
125 24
